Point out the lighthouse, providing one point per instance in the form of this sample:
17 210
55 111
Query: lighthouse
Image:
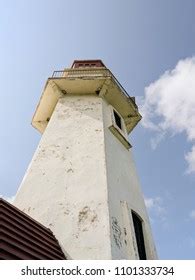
82 181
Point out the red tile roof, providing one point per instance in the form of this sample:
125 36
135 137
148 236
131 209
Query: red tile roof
87 63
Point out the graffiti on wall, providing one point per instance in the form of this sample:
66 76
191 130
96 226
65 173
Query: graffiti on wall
117 233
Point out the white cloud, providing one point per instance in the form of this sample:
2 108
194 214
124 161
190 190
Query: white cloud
192 214
149 202
168 107
8 199
156 208
152 202
190 158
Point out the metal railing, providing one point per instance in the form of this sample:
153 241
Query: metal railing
76 72
58 74
90 73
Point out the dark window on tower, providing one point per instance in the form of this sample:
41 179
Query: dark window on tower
117 120
137 222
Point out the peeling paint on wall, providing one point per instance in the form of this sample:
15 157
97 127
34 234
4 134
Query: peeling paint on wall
86 215
75 183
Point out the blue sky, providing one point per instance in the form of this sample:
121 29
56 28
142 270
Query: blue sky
138 41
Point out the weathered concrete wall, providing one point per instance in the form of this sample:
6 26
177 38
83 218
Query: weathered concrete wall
82 183
124 195
65 186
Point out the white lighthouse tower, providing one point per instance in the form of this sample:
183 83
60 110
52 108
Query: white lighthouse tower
82 181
